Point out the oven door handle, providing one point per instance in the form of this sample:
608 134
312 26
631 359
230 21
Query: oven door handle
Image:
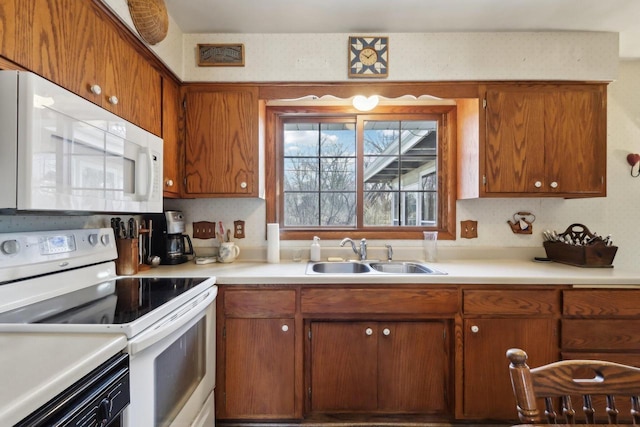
191 311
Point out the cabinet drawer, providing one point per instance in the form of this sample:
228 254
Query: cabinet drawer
260 303
511 302
607 303
379 301
587 334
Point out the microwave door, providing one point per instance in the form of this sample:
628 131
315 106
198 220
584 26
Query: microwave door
61 165
132 171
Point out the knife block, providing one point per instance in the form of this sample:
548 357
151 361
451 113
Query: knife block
128 258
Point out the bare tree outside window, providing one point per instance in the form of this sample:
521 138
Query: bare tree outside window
319 174
321 181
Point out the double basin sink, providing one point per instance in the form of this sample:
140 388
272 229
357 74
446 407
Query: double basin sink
371 267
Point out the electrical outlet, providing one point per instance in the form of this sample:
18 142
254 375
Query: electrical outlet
238 229
469 229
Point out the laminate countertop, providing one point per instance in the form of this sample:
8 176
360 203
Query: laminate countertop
36 367
494 272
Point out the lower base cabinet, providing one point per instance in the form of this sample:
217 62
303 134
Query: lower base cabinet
488 394
379 367
259 376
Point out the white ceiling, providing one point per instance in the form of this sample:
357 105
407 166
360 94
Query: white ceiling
410 16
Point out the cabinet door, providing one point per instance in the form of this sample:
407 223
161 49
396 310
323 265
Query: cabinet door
344 366
259 356
575 149
132 80
58 41
413 367
514 150
487 385
222 143
171 137
9 29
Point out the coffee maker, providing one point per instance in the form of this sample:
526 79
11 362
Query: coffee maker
168 240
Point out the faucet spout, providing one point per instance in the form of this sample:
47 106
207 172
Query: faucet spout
362 252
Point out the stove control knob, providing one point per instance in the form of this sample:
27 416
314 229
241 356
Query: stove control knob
104 412
104 239
10 247
93 239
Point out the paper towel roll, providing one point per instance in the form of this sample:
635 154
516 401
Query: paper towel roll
273 243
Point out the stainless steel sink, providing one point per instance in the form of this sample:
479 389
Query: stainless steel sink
371 267
339 268
402 267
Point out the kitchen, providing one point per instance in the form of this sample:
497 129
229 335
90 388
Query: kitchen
489 56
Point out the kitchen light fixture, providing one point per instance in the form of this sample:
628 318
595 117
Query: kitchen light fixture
633 159
362 103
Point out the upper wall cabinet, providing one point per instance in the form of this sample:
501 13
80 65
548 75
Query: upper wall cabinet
222 145
8 28
538 140
171 135
75 45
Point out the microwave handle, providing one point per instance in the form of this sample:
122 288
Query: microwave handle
146 153
151 173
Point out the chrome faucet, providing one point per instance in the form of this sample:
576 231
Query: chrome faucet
362 252
389 252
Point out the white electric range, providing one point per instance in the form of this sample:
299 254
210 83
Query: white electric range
65 282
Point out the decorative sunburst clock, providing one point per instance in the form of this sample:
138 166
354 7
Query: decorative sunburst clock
368 56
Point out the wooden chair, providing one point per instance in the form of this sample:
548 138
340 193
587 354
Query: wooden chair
559 381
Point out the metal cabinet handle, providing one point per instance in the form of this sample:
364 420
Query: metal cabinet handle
386 332
113 100
285 328
169 183
554 184
368 331
96 89
538 184
475 329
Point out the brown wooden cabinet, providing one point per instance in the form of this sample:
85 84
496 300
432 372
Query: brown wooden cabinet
132 87
9 28
256 355
221 147
75 45
171 135
495 321
379 350
546 140
379 367
602 324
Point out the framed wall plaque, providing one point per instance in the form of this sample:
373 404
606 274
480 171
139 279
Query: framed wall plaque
221 55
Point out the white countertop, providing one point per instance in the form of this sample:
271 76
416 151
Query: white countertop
493 271
36 367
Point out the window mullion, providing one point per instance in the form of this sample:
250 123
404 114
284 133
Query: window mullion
359 172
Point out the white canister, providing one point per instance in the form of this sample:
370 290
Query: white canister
273 243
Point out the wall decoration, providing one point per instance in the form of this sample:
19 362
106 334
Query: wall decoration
221 55
150 18
368 56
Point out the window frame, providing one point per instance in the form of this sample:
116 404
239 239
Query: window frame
446 117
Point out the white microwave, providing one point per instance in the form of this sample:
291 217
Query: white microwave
60 152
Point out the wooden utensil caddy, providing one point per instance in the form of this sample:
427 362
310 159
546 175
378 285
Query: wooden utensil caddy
593 254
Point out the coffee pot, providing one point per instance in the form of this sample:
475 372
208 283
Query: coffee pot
168 239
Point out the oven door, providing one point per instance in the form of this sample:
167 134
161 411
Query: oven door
172 368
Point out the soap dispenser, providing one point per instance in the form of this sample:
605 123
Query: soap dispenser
315 249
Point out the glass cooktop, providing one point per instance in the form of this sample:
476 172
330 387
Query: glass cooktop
118 301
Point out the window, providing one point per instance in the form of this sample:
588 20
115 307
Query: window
382 175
